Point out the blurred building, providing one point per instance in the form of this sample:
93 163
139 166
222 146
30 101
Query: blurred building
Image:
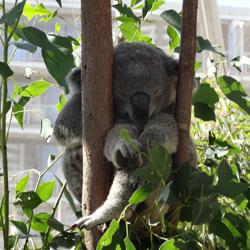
224 24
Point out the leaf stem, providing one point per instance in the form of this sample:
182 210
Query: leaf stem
4 139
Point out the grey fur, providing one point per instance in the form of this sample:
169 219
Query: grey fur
144 86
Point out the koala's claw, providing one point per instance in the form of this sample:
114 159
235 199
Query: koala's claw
86 222
124 154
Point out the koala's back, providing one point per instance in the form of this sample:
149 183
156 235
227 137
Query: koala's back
72 168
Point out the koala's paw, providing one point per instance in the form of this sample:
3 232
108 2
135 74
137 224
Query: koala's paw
124 155
87 222
148 140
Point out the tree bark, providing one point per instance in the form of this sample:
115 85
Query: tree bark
97 57
186 77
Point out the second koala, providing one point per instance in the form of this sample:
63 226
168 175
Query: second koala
144 87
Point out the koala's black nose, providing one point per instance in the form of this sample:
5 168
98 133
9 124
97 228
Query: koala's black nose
140 102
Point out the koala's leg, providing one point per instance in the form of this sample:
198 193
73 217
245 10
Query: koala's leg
161 128
123 186
72 167
117 150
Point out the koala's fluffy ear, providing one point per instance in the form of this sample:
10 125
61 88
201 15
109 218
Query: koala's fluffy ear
74 80
171 66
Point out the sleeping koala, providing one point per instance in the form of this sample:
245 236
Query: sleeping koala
144 87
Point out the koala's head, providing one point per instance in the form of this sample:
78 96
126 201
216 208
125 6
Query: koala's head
144 81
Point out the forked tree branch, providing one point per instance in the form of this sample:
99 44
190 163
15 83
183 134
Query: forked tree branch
97 57
186 77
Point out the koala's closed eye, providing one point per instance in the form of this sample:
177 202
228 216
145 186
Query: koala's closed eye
120 94
157 91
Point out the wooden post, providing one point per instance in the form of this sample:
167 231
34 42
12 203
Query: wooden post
97 57
186 77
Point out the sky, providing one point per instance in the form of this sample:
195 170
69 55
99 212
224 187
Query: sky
234 3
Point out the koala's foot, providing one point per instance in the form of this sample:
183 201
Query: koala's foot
124 155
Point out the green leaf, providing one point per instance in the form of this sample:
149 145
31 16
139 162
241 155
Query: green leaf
141 194
241 202
173 18
230 189
21 226
8 106
38 10
125 10
57 28
239 222
204 210
12 241
165 192
134 2
13 14
46 129
231 227
5 70
130 31
22 184
106 239
157 4
45 190
58 65
125 135
169 245
28 200
197 65
234 91
65 240
61 103
36 88
200 184
174 37
205 94
128 244
55 224
204 44
59 3
35 37
219 228
26 46
18 113
221 144
160 161
147 7
39 222
62 43
204 111
224 172
23 100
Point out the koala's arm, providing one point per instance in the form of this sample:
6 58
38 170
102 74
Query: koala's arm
116 150
163 128
124 184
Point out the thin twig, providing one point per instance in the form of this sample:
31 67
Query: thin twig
53 212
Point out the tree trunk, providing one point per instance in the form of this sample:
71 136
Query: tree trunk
97 57
186 77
